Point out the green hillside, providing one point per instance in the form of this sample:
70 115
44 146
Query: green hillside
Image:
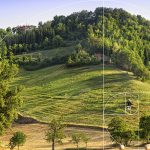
76 93
59 52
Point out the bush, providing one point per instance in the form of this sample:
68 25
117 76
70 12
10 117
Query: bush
18 139
120 132
81 58
145 128
35 64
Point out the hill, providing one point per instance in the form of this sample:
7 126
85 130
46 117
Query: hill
76 93
50 53
126 37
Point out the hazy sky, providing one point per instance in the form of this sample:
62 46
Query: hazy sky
19 12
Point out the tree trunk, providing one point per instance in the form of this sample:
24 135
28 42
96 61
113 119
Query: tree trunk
53 145
18 147
77 146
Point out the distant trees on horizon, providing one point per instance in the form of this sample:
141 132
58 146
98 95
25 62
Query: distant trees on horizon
125 39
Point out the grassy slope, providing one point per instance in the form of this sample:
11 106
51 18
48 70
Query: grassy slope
63 51
76 93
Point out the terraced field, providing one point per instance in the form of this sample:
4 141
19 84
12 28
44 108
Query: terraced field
77 93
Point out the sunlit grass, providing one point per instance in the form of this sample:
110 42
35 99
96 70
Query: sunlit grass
76 93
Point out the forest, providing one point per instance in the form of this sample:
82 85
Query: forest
126 37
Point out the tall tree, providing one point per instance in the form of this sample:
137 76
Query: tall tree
55 133
10 99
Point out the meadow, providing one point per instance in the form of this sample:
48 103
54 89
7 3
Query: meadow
44 54
77 93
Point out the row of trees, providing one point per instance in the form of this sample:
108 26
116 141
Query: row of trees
34 63
122 133
55 134
120 27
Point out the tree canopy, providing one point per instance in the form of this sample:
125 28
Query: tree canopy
10 99
125 36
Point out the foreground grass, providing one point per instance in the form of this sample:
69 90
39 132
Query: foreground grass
77 93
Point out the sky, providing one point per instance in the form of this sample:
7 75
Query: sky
30 12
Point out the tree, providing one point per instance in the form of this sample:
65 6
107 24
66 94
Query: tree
18 139
45 43
76 138
129 136
81 57
10 99
145 128
55 133
85 139
121 132
58 41
146 58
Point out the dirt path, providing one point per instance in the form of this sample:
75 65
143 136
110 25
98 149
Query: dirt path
36 134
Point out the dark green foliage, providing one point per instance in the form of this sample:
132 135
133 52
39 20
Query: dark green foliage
130 60
18 139
146 58
125 39
10 100
145 128
30 64
120 132
80 58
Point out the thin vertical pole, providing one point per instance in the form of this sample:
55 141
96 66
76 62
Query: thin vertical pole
103 83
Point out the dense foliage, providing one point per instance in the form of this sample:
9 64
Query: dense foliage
145 128
125 38
31 64
120 132
18 139
80 57
9 96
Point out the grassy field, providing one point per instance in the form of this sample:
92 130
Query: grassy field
36 138
60 52
77 93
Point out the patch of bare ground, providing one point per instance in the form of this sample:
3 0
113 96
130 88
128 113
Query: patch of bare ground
36 137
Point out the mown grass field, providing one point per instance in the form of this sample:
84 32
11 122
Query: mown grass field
59 52
36 137
77 93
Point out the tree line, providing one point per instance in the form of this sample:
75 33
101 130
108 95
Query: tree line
121 133
125 38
